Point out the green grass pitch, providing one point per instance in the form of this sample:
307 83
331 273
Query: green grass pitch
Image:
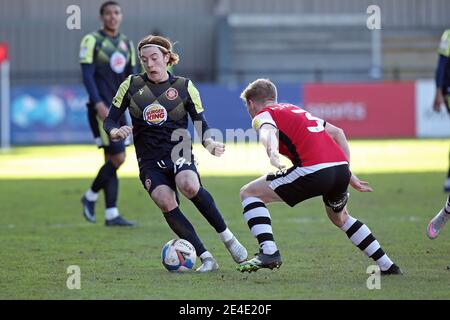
42 231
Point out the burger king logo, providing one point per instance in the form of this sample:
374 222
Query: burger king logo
155 114
171 93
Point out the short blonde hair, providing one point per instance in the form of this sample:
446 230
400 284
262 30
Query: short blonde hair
164 45
260 90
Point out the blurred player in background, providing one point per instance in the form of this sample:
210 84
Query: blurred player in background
320 156
442 98
442 78
159 104
107 57
438 222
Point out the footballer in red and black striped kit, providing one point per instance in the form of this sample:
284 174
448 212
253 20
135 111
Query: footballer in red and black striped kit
320 156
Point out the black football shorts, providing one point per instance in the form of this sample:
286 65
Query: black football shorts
295 185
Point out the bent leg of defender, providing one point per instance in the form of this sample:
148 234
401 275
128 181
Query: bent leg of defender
254 196
358 233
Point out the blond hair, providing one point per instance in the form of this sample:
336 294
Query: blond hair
163 44
260 90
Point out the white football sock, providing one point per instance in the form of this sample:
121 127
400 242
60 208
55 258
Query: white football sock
226 235
91 195
205 255
111 213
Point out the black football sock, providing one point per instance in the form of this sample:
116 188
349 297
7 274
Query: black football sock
104 174
448 173
111 191
184 229
204 202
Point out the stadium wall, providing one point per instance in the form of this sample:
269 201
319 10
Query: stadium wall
41 25
57 114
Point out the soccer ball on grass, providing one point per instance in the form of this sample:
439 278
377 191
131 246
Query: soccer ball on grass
178 255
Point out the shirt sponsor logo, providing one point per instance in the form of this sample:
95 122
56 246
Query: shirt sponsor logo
123 46
171 93
117 62
155 114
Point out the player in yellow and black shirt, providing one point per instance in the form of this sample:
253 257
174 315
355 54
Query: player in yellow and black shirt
107 57
442 79
159 105
442 97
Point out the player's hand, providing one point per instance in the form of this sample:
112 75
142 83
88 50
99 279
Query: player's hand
102 110
438 100
121 133
275 160
361 186
215 148
447 103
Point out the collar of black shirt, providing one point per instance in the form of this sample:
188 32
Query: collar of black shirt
170 79
103 33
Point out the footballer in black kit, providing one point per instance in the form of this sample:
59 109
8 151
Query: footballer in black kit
159 104
157 110
107 57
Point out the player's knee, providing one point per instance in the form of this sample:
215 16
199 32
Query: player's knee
189 188
166 203
242 193
164 200
117 159
245 192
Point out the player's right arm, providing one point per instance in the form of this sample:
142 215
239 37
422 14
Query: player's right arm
339 136
264 124
87 48
444 54
120 103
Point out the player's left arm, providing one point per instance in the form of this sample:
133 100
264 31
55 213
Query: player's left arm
268 135
195 109
339 136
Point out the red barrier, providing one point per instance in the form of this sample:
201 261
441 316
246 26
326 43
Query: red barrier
365 109
3 52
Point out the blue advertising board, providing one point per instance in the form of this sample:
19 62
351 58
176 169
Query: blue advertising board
49 114
57 114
